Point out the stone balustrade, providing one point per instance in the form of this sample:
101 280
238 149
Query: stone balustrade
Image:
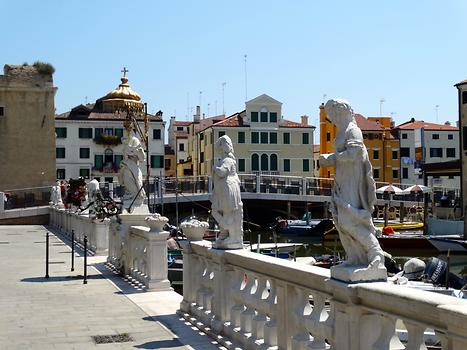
96 230
261 302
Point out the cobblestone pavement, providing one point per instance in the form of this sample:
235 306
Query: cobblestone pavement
61 312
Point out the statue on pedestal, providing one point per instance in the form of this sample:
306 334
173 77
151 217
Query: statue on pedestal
353 198
56 196
130 175
227 206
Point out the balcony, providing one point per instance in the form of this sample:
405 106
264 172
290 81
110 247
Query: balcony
109 168
108 140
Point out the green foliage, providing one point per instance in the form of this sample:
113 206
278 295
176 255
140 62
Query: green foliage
44 68
110 140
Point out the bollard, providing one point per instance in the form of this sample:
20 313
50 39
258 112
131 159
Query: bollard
47 255
85 280
72 250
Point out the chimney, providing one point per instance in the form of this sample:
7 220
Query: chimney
448 123
304 119
457 123
197 116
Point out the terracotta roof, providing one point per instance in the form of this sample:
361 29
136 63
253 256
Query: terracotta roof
290 124
418 124
207 122
367 125
180 123
100 116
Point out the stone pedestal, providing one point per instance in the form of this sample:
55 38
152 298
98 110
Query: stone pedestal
359 274
2 202
101 236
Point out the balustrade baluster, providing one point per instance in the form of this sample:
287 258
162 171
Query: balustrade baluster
246 317
300 308
415 334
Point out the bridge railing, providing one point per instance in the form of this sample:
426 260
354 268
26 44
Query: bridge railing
26 197
261 302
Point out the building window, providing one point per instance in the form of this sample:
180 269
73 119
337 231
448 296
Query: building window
264 117
264 137
61 133
2 111
395 174
117 160
394 154
436 152
273 138
451 152
157 161
167 164
255 162
109 131
179 128
375 173
156 134
273 117
254 117
181 147
84 153
273 162
118 132
286 165
286 138
450 137
255 137
375 154
464 97
464 137
85 133
201 157
221 133
405 173
241 164
60 152
404 135
264 162
84 173
201 136
435 136
328 136
98 132
305 138
405 152
241 137
60 174
306 165
98 161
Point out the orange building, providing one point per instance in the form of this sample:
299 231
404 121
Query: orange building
382 146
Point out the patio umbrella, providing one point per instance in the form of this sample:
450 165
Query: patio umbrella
389 189
417 189
425 190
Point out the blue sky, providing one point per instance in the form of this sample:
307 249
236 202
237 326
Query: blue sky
410 53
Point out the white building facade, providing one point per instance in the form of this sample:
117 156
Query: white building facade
88 143
427 143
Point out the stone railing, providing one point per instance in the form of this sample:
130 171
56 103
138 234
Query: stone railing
261 302
140 252
96 230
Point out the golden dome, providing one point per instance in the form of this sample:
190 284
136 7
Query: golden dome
122 97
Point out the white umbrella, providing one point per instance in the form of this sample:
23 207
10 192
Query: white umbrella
417 189
390 189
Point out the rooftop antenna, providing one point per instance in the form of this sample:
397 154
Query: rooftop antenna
200 98
85 100
209 105
187 105
223 100
215 106
381 101
436 110
324 98
246 79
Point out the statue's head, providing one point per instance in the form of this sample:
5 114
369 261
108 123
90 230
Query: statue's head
133 148
339 111
224 145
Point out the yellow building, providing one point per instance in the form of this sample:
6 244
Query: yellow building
382 146
264 141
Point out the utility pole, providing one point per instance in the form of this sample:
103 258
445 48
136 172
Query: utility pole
223 100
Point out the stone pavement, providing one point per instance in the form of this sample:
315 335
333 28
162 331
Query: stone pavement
63 313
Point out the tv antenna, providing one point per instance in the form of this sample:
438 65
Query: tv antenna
381 101
436 110
223 100
246 79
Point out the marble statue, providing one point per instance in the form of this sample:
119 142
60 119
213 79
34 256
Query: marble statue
92 188
130 175
353 197
56 195
227 206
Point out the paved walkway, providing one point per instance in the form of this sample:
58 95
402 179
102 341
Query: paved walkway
63 313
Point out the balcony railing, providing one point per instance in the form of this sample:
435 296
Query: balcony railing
109 140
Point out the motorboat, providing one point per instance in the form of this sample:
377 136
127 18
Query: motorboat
452 243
